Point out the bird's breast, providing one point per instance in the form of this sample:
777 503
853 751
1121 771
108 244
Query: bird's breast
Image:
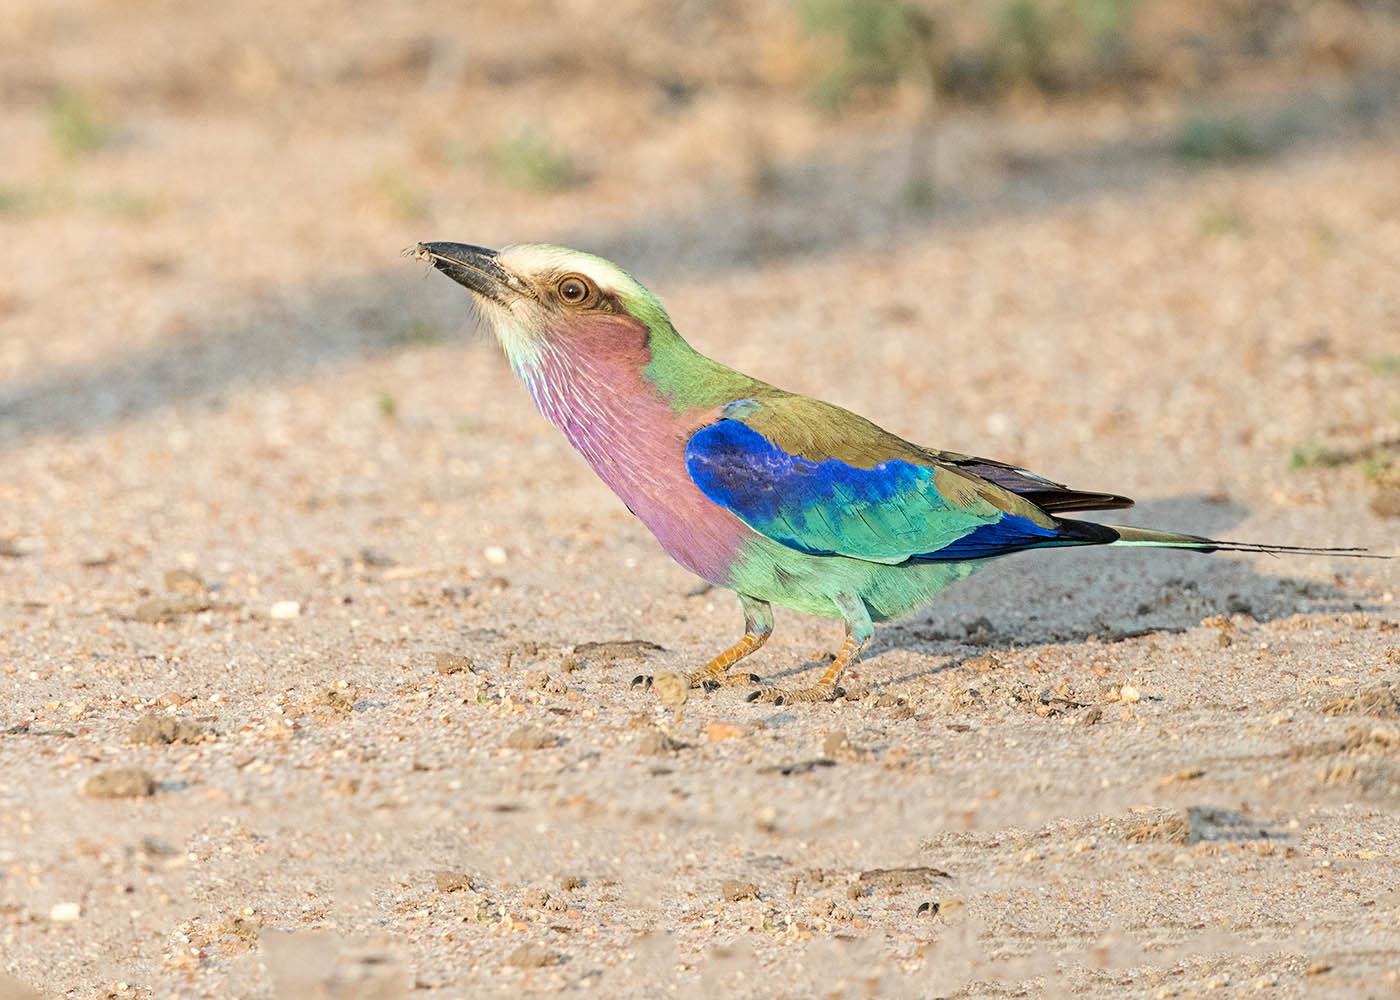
635 442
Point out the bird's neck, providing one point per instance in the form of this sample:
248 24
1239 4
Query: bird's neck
627 396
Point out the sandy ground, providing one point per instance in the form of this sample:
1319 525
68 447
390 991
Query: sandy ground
1092 774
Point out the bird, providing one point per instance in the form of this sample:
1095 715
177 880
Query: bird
782 498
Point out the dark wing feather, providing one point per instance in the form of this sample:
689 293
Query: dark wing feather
1049 496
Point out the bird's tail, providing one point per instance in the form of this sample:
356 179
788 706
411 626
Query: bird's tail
1197 543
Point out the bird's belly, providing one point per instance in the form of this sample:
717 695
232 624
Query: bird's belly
698 534
813 584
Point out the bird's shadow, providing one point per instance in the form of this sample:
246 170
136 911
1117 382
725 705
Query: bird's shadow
1062 596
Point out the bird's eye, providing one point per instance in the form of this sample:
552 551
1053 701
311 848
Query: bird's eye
574 289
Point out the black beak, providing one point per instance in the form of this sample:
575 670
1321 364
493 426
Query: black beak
474 267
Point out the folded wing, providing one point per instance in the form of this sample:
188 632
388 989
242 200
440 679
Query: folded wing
824 481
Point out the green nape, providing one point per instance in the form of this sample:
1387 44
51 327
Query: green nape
684 376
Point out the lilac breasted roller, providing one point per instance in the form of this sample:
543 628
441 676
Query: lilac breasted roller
782 498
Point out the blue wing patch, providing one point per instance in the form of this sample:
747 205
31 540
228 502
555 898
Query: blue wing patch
890 513
1012 533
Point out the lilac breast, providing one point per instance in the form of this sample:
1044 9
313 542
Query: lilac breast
635 442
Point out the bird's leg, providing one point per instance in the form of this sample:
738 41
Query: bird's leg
758 626
859 629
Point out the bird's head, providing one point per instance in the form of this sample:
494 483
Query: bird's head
539 298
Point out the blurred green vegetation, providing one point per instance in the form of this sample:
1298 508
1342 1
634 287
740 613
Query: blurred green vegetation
1373 460
417 332
1223 220
75 124
132 206
1315 456
1048 45
880 42
1213 138
399 194
60 196
15 202
527 160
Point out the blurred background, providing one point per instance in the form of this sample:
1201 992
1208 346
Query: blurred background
194 196
238 150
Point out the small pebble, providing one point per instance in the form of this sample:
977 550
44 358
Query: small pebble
285 610
452 663
731 890
718 732
655 743
1089 717
62 913
837 746
531 738
447 881
495 555
1129 694
336 701
766 819
155 729
161 609
532 956
832 910
538 680
182 581
120 783
671 689
540 899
